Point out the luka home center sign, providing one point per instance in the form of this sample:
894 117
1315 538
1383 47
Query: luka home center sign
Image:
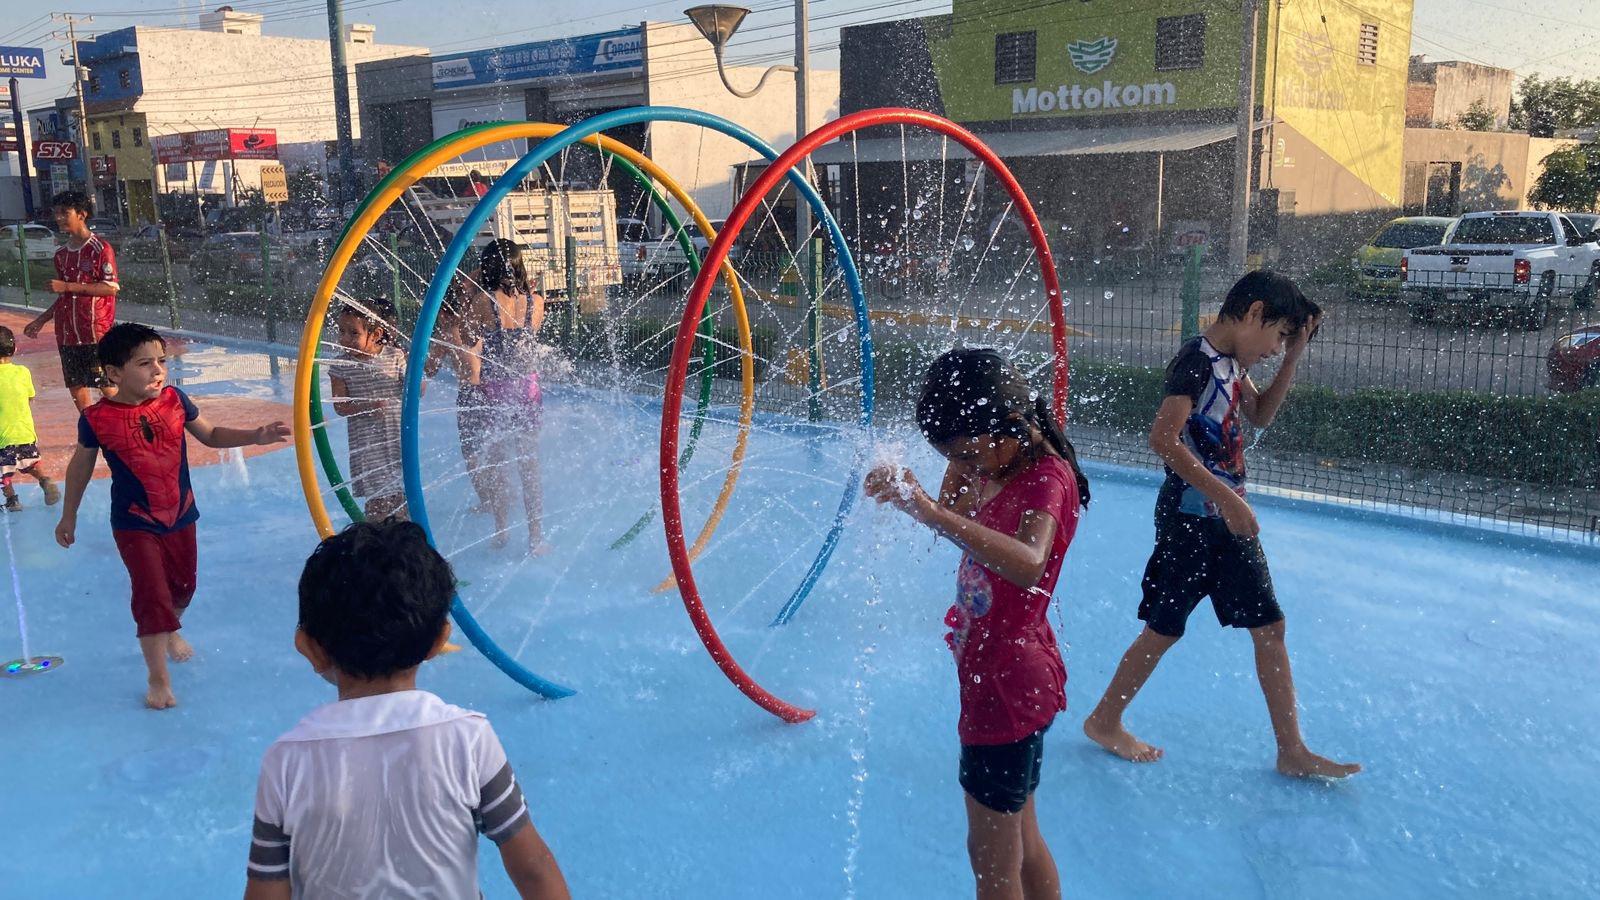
1090 57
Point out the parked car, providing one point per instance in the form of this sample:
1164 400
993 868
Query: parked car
104 226
144 244
1586 222
38 242
1522 262
1574 361
234 257
1377 262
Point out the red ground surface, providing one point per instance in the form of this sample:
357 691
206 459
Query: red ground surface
56 419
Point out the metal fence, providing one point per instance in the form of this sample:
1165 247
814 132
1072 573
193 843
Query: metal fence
1472 410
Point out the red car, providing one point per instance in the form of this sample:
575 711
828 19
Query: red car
1574 362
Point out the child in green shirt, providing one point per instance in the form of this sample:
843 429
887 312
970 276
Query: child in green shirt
19 442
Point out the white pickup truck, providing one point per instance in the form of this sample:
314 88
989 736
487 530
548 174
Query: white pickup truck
1519 261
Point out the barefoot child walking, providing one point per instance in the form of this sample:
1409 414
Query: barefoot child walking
1205 530
19 440
1009 499
140 428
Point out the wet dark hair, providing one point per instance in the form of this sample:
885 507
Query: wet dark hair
502 268
379 314
1280 299
375 596
77 200
8 343
116 348
970 392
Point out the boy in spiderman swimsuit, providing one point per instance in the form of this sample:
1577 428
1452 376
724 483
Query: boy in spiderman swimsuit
140 428
1205 530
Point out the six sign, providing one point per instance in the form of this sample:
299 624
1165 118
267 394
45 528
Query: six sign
53 150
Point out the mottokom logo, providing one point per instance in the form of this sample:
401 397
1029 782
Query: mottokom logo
1090 57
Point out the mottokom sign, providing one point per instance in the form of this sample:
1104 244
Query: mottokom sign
1089 57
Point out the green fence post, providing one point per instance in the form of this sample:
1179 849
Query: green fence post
394 267
266 281
1191 293
166 273
572 291
22 259
813 275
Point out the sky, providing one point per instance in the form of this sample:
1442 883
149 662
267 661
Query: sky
1557 40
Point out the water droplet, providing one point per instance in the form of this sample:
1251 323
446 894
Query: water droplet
966 243
1109 295
917 213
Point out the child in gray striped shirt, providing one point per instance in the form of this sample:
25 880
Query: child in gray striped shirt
384 792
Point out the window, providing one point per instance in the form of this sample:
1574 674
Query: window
138 136
1367 50
94 138
94 84
1504 230
1180 42
116 139
1014 56
125 79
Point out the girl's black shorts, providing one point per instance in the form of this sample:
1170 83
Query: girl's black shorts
1003 776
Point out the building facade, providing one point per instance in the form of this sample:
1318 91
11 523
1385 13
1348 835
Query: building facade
410 101
1438 94
1121 122
148 82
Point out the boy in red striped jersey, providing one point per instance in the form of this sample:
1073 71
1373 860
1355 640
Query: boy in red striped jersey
86 301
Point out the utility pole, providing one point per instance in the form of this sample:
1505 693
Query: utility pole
345 187
77 83
1244 139
802 115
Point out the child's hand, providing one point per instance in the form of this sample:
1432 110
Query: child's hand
57 286
896 485
1297 344
32 329
1240 518
276 433
67 531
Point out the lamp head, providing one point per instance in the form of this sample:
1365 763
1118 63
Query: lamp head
717 22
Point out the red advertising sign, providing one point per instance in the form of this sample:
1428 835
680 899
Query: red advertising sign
46 151
253 143
104 169
220 143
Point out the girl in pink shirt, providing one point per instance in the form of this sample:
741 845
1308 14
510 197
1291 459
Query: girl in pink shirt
1009 499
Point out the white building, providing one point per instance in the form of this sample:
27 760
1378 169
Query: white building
147 82
408 102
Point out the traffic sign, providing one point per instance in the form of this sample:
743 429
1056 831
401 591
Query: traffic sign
274 184
54 150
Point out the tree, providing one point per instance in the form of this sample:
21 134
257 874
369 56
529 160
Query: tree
1570 180
1547 105
1478 117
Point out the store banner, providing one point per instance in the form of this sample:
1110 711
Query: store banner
591 54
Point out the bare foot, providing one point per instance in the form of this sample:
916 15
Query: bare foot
538 547
1303 763
178 649
1116 740
160 697
52 493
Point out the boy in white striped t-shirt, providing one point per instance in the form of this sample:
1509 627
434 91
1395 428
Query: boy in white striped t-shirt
384 793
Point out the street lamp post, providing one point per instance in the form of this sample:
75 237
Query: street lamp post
717 23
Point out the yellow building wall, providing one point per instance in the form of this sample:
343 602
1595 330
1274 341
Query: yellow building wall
1353 112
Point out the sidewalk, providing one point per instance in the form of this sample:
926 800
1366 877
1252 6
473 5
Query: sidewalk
200 321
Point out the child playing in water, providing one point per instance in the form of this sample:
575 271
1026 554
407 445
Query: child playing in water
140 427
368 384
507 313
1009 499
384 792
1205 530
19 441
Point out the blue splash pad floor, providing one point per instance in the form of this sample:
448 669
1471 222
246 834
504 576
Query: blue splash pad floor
1459 671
